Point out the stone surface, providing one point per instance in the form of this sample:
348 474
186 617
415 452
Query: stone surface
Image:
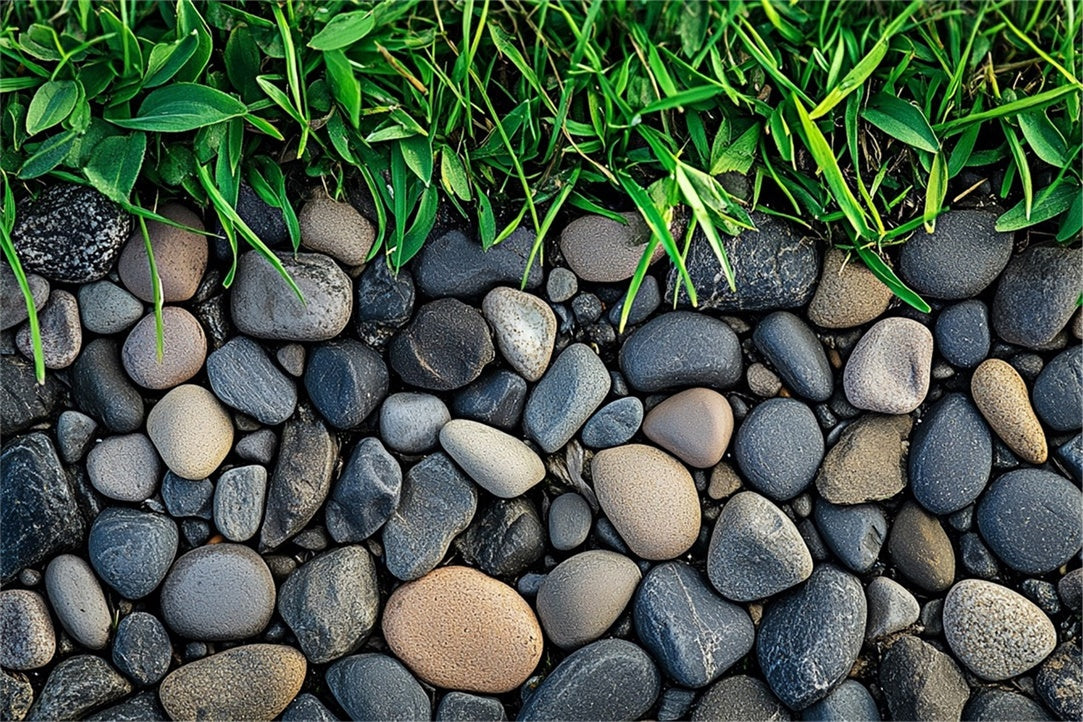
569 521
16 696
180 257
739 699
1060 682
561 285
498 462
24 402
525 329
795 352
335 228
1001 395
346 381
848 702
106 308
61 333
464 707
132 550
496 399
921 682
124 468
142 650
76 686
505 539
604 250
102 390
410 422
962 333
454 265
445 347
681 348
854 534
243 377
377 687
613 424
308 708
695 425
191 431
137 708
77 600
988 705
848 294
951 455
27 639
238 501
888 371
892 608
13 303
184 348
365 494
74 434
1036 295
959 259
866 463
779 447
384 302
583 596
1058 391
558 406
921 550
265 220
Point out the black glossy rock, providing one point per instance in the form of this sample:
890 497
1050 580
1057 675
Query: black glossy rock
739 699
465 707
454 265
610 679
346 381
1058 391
921 682
496 399
849 702
76 686
1036 295
102 390
142 650
795 352
681 348
951 455
365 494
809 637
444 348
962 333
132 550
854 534
779 447
977 559
385 302
243 376
993 705
23 402
1060 681
960 259
377 687
505 539
266 221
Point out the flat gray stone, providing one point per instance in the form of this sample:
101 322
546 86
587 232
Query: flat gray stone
243 377
238 501
106 308
779 447
921 682
454 265
959 259
132 550
573 387
61 332
613 424
124 468
77 600
76 686
892 608
1036 295
377 687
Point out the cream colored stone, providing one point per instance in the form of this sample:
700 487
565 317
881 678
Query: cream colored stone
191 430
1001 396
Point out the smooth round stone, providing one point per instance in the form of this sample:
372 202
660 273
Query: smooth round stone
603 250
77 685
892 608
921 550
142 650
77 599
561 285
569 521
184 348
525 329
218 592
613 424
920 682
762 381
346 381
959 259
308 708
132 550
795 352
264 305
335 228
962 333
888 370
106 308
498 462
191 430
693 633
496 399
243 377
377 687
1001 395
810 637
238 501
951 455
102 389
331 602
444 348
125 468
991 705
755 550
558 406
1036 295
637 485
1058 391
694 425
13 303
1030 519
365 495
647 300
739 699
505 539
251 682
854 534
779 447
994 631
866 462
848 702
411 422
584 595
74 434
681 348
610 679
27 639
463 707
457 628
61 333
848 295
180 257
454 265
1060 682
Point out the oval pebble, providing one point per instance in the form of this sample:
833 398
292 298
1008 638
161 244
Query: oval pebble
27 639
584 595
524 327
888 370
411 422
142 649
739 699
191 430
184 348
132 550
796 354
1058 391
613 424
60 332
569 392
569 521
377 687
959 259
1001 395
694 425
681 348
1036 295
848 702
77 599
848 293
498 462
238 501
962 333
951 455
337 229
124 468
180 256
603 250
921 549
779 447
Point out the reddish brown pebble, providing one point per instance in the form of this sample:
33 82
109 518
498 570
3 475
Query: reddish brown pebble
694 425
179 255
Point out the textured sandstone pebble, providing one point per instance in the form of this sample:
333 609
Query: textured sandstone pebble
525 329
184 348
724 482
583 596
866 463
125 468
179 255
762 380
61 332
337 229
888 370
27 639
460 629
848 295
253 682
695 425
921 549
1001 395
498 462
191 431
637 485
603 250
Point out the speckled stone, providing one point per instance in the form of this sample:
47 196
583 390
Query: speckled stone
16 696
497 398
498 462
1058 391
142 650
888 371
962 333
848 702
921 550
921 683
762 381
681 348
191 430
583 596
180 256
464 707
238 501
558 406
1036 295
866 463
124 468
525 329
603 250
561 285
848 294
796 354
1001 396
569 521
695 425
444 348
184 348
61 333
959 259
991 705
306 707
779 447
1060 681
13 303
951 455
739 699
613 424
76 686
77 599
335 228
854 534
27 639
106 308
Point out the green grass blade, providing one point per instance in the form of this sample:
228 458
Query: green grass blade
1048 204
901 121
883 271
1019 156
935 192
1007 110
700 211
28 297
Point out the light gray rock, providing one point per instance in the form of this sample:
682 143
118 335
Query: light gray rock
498 462
410 422
125 468
238 501
888 371
77 599
27 639
524 327
583 596
561 285
569 521
573 387
892 608
184 348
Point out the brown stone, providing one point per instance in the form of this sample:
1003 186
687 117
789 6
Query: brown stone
867 462
337 229
694 425
921 550
179 255
848 295
1001 395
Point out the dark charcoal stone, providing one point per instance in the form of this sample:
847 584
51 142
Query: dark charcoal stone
921 682
445 347
366 494
132 550
614 424
962 334
70 233
377 687
1058 391
681 348
505 539
496 399
137 708
1036 295
243 376
610 679
854 534
675 703
464 707
849 702
265 220
921 550
796 353
23 402
213 315
739 699
963 256
76 686
648 299
774 267
951 455
102 390
142 650
993 705
454 265
307 708
346 381
977 559
186 497
779 447
1060 681
385 302
1071 455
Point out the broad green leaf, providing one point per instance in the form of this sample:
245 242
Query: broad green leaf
48 154
964 148
188 21
122 41
739 155
114 165
453 174
181 107
692 27
936 191
343 30
417 153
902 121
51 104
344 85
1072 223
166 60
1044 138
1049 203
242 62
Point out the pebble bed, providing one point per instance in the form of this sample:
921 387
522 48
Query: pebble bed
433 495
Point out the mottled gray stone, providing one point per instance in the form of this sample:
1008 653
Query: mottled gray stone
76 686
124 468
137 708
13 303
385 302
238 501
243 376
779 447
307 708
993 705
739 699
77 600
569 521
951 455
854 534
365 494
61 333
681 348
496 399
891 606
613 424
465 707
1036 295
921 682
1058 391
454 265
24 402
74 433
141 649
1060 682
849 702
572 388
28 640
410 422
377 687
132 550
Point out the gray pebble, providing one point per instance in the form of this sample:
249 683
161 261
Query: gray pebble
28 640
377 687
779 447
13 303
385 302
561 285
739 699
1070 589
76 686
613 424
504 539
124 468
1036 295
849 702
464 707
854 534
445 347
291 357
16 696
796 353
681 348
962 333
892 608
1060 682
131 550
187 498
137 708
1058 391
569 521
77 600
411 422
74 432
951 455
243 376
976 557
238 501
307 708
992 705
346 381
258 447
454 265
142 650
61 332
366 494
888 371
921 682
102 390
960 259
564 399
648 299
496 399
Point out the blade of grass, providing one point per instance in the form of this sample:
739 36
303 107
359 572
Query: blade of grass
935 192
28 297
884 273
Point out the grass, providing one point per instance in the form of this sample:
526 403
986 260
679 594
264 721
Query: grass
864 121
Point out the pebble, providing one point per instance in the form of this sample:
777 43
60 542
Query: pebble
308 708
238 501
561 285
1059 682
132 550
266 221
191 430
445 347
795 352
184 348
921 550
854 534
959 259
569 521
1058 391
463 707
101 389
76 686
457 628
142 650
694 425
755 550
124 468
892 608
739 699
681 348
921 682
438 503
779 447
505 539
951 455
180 257
962 333
604 250
74 434
454 265
498 462
385 302
647 300
1001 396
866 462
1030 519
243 377
259 446
377 687
888 371
848 702
990 705
1037 295
250 682
584 595
23 402
106 308
331 603
693 633
346 381
610 679
994 631
365 494
1070 455
16 696
187 498
13 303
263 305
1069 588
762 381
724 482
27 639
70 233
61 334
137 708
810 637
335 228
848 294
411 422
636 485
613 424
587 308
558 406
77 600
496 399
977 559
525 329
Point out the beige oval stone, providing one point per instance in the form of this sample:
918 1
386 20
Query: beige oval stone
848 295
184 349
584 595
694 425
649 497
253 682
337 229
179 255
498 462
603 250
191 430
525 329
1001 395
458 628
